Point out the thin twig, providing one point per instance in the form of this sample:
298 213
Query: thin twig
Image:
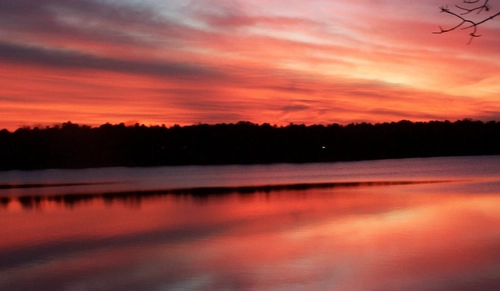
463 21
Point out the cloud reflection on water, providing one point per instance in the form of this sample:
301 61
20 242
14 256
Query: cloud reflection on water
402 237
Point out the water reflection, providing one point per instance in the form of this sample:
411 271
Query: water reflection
199 193
105 180
407 229
391 237
4 202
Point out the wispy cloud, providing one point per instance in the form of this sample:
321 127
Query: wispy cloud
74 60
213 61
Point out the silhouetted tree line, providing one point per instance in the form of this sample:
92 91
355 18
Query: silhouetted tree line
72 146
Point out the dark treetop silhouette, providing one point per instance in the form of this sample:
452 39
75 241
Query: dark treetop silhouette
465 17
72 146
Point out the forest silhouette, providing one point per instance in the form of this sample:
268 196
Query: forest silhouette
70 145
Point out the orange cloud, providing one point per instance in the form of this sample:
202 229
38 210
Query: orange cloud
225 61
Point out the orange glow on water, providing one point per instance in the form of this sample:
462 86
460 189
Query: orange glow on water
365 236
435 225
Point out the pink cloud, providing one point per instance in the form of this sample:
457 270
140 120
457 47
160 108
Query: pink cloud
225 60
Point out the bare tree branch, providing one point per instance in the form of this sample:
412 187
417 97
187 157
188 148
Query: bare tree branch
464 22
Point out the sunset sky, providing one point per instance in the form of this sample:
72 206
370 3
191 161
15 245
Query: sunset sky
275 61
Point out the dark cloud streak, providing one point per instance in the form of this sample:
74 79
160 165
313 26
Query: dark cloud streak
74 60
43 10
84 21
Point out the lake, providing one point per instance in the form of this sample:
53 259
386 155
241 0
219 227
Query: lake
409 224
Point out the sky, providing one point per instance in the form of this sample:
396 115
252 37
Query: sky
276 61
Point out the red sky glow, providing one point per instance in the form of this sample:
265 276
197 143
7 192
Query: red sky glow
206 61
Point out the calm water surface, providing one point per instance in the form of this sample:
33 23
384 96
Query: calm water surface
412 224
